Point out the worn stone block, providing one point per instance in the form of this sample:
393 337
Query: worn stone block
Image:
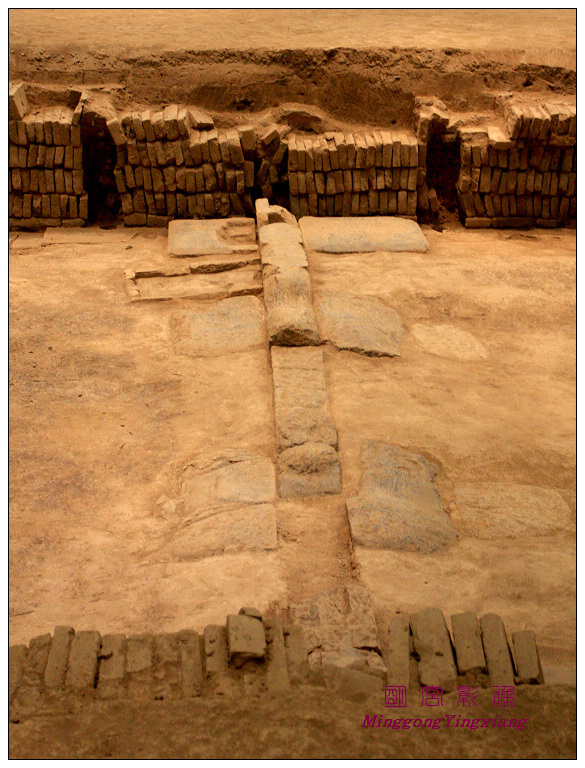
527 659
83 661
497 650
246 639
468 647
56 668
433 645
112 667
398 657
139 658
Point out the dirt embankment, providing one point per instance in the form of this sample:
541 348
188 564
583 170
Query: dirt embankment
375 86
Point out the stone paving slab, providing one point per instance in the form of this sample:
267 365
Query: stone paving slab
398 506
228 326
212 236
361 324
507 510
362 235
233 477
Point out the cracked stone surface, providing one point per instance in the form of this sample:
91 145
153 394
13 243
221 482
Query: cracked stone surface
398 506
361 324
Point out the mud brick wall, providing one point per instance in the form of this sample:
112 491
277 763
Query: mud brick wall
361 174
45 165
172 165
523 175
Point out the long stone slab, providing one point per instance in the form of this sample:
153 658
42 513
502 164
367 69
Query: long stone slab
497 650
527 659
357 235
361 324
433 644
398 506
468 647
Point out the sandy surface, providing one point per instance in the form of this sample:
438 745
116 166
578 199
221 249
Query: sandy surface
544 35
104 415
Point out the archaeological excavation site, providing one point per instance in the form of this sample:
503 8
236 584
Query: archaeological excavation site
292 383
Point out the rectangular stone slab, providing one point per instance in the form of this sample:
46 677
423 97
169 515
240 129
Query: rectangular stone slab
433 645
527 658
497 650
214 236
467 641
58 655
398 659
357 235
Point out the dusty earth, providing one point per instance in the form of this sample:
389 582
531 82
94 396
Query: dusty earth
106 412
359 66
312 723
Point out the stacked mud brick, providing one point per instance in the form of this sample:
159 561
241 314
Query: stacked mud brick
524 175
45 176
271 162
361 174
173 164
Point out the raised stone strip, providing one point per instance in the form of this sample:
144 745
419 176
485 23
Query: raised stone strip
398 506
433 645
468 648
398 651
83 661
497 650
139 666
191 666
29 694
276 664
56 668
288 294
527 659
296 654
166 671
308 464
112 667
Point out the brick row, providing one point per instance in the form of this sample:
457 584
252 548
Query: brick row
43 156
46 180
357 180
384 203
540 157
51 127
144 207
346 151
53 206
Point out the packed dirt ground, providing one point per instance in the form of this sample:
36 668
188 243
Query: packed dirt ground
105 414
108 405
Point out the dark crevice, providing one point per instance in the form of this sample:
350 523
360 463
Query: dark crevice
99 161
